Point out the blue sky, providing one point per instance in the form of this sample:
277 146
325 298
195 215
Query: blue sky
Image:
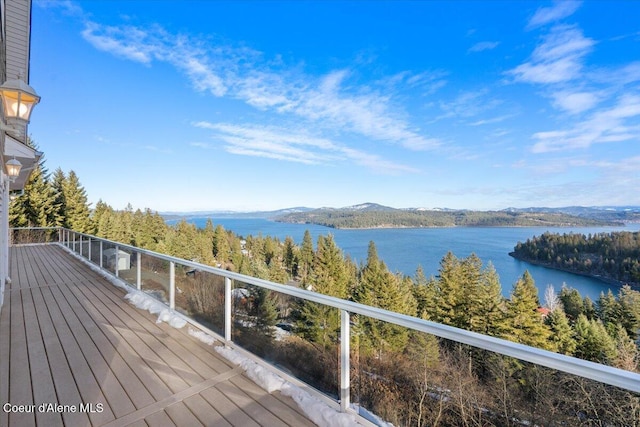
206 105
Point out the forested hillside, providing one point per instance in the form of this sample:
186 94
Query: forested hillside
407 378
390 218
614 256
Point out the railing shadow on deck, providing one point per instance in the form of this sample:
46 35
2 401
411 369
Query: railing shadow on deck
417 388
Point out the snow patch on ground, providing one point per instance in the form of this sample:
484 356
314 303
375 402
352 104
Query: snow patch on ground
136 297
113 280
317 411
202 336
145 302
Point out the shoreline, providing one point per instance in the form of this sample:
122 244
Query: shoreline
400 227
604 279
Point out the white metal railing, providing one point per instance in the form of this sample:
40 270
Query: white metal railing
604 374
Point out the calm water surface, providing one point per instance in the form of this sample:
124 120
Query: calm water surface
404 249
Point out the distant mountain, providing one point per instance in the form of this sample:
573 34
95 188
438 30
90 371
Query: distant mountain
233 214
364 207
372 215
603 213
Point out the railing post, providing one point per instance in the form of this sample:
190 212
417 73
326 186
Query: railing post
172 285
139 270
101 266
227 309
117 258
80 251
74 242
89 250
345 366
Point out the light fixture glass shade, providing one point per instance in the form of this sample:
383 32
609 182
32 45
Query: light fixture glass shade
18 99
13 168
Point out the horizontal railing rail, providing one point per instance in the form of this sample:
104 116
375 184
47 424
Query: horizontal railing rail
601 373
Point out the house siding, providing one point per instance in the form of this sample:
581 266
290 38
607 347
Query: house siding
17 22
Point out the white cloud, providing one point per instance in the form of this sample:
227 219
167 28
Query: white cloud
559 58
492 120
134 49
469 104
576 102
481 46
240 73
560 10
605 125
300 147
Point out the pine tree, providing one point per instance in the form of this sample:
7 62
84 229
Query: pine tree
524 322
221 247
289 254
58 181
451 295
607 309
561 337
629 310
572 302
101 217
265 310
36 207
76 207
487 312
320 323
378 287
425 292
306 257
593 342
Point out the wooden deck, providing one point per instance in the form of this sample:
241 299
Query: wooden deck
68 337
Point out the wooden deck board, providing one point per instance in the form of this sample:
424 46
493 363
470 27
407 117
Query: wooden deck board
68 336
66 389
41 379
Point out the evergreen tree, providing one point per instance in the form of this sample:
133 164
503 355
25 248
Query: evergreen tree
607 309
290 258
37 206
629 310
593 342
378 287
58 181
524 322
277 270
589 308
451 295
627 354
425 293
221 247
487 314
265 310
76 207
306 257
102 218
320 323
561 337
572 302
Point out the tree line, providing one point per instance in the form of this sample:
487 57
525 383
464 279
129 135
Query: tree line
614 255
408 378
389 218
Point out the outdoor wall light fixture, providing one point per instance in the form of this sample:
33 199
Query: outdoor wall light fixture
13 169
18 99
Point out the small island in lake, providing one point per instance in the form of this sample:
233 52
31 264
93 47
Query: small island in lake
372 215
613 257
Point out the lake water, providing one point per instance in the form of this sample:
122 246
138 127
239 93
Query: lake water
405 248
